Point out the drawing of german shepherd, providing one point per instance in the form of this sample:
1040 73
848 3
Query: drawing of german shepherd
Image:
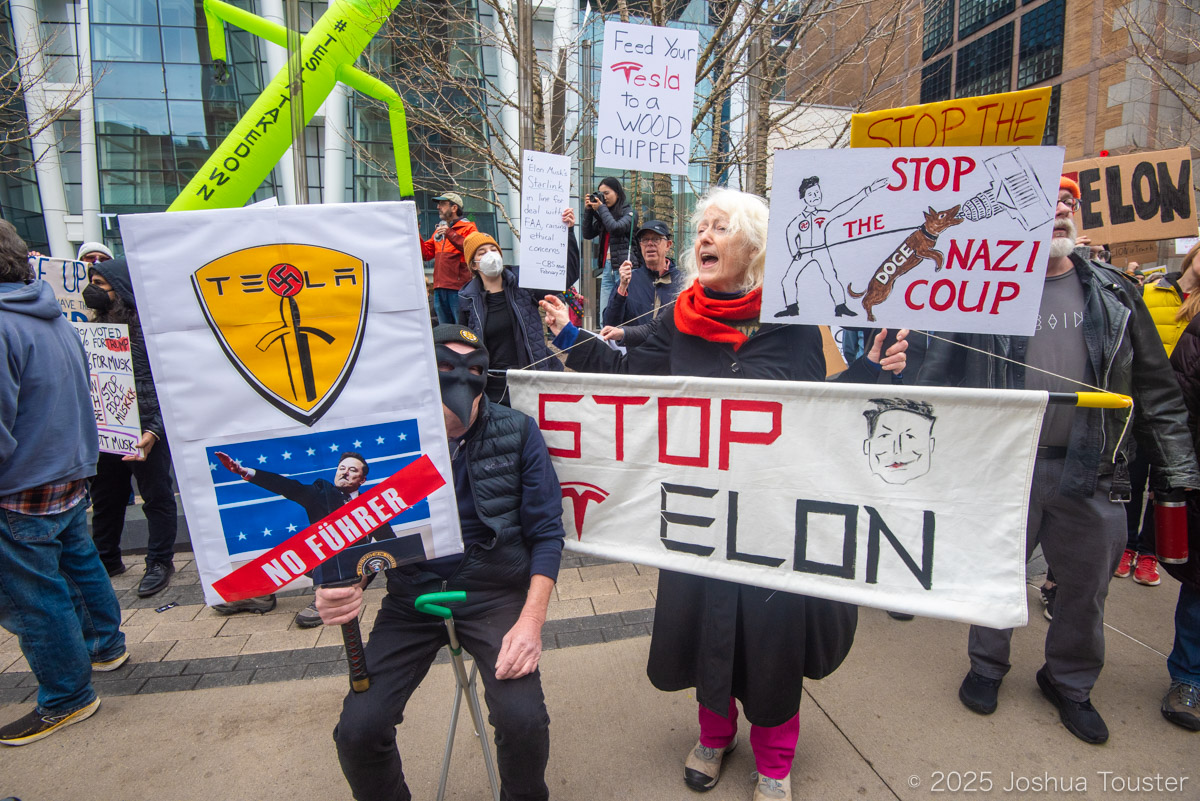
917 247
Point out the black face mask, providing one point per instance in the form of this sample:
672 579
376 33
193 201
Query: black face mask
96 298
460 387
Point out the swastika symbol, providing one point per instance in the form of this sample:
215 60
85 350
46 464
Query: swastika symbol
804 225
285 280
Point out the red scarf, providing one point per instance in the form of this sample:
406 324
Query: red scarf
701 316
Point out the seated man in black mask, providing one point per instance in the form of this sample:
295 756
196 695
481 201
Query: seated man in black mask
510 508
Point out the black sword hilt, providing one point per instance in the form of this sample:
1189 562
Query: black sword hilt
356 656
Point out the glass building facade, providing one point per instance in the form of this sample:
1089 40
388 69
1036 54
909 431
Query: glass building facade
967 49
159 110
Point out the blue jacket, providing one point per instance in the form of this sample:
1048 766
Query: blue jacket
639 300
47 427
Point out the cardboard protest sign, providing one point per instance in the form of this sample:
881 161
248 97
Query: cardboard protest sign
830 490
114 393
67 277
647 86
943 239
1011 118
1144 253
545 192
293 359
1140 196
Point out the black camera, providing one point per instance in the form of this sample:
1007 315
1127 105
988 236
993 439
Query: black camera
592 196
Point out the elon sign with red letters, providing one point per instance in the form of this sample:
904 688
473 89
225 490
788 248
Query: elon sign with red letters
885 497
944 239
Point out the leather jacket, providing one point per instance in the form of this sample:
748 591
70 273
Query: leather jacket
1127 357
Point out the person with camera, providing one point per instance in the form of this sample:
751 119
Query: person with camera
445 248
608 216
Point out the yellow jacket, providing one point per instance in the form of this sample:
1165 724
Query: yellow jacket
1163 300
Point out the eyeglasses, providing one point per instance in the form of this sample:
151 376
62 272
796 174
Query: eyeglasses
652 239
1069 201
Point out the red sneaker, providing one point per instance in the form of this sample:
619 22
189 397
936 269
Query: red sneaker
1147 570
1126 565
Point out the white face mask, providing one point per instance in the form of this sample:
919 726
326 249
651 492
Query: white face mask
491 264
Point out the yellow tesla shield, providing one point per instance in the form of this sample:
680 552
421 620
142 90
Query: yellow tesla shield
290 318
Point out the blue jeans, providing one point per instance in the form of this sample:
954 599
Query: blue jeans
445 306
56 597
608 282
1184 662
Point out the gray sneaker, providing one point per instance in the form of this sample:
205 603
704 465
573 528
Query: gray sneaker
703 766
260 605
1181 705
766 789
308 617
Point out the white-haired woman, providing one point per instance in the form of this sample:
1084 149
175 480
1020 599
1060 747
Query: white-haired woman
733 641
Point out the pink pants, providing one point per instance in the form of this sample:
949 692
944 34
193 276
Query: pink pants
774 746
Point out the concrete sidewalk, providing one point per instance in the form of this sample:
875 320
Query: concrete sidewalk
887 725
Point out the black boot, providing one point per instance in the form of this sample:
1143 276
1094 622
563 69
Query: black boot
792 310
841 310
157 578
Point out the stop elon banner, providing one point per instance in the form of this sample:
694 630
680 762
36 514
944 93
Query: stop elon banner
883 497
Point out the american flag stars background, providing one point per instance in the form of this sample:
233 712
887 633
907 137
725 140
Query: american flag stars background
253 519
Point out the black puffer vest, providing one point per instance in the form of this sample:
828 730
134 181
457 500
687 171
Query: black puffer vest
493 454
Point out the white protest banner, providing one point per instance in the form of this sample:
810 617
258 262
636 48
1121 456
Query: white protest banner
545 192
830 490
941 239
67 277
294 364
114 394
647 87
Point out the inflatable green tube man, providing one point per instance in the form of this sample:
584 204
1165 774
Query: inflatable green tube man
243 160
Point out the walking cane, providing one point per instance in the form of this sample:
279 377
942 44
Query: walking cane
430 605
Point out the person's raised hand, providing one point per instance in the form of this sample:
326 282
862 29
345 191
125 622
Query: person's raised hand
626 273
555 313
568 217
232 466
895 360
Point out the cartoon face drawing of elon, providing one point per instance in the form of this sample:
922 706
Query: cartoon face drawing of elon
899 443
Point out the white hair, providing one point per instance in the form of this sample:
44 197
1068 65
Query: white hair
748 215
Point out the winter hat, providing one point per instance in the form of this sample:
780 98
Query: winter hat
1066 183
472 243
93 247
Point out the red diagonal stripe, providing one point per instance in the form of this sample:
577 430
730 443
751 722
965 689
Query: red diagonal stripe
295 557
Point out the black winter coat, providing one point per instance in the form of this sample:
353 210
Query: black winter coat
620 223
727 639
1127 357
1185 360
116 272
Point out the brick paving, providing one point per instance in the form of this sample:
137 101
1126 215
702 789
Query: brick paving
189 646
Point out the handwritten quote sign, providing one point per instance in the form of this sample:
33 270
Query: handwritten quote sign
114 396
647 87
1011 118
545 192
67 277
